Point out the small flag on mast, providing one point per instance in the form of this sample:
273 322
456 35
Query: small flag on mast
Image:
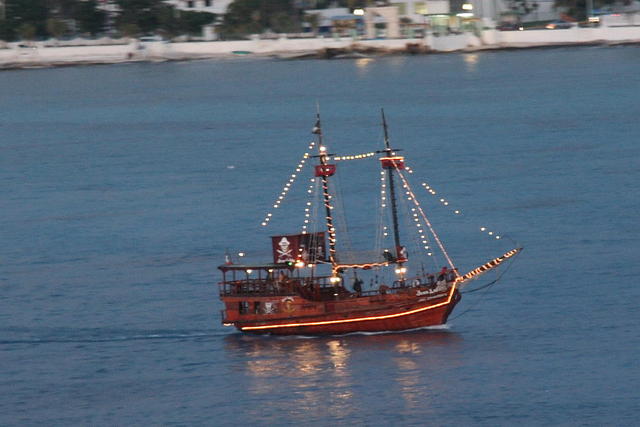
316 128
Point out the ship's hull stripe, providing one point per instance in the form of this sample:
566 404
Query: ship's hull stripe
358 319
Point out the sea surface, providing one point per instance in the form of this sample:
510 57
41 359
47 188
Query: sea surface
122 187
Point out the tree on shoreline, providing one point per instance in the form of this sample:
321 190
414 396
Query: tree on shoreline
41 19
245 17
577 9
140 17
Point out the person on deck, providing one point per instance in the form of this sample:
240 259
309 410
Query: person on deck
431 280
443 274
357 286
282 281
441 284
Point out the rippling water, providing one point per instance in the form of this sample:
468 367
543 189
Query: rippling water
123 186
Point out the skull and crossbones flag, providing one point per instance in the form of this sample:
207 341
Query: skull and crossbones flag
308 247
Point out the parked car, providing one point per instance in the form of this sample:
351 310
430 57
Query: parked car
151 39
559 25
509 26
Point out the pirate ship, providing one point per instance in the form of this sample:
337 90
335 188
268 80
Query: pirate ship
303 289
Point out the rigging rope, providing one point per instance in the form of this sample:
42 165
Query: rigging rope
426 220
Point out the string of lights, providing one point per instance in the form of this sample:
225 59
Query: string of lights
411 196
423 237
288 185
488 266
330 228
307 208
445 202
354 157
381 228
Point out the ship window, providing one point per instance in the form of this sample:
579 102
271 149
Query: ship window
256 307
243 307
402 8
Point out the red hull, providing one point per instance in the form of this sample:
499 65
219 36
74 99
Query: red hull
412 313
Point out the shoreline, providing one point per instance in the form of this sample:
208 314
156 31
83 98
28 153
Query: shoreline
43 55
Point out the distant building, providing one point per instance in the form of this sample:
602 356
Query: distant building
325 18
540 10
382 22
416 10
219 7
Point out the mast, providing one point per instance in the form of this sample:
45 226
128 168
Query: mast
390 163
324 170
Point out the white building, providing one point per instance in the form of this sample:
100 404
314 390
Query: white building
417 9
219 7
492 9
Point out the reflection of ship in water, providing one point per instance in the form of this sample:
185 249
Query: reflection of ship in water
298 373
302 291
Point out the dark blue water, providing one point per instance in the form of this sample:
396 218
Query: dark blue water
122 186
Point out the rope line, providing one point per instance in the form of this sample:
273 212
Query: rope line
426 220
484 294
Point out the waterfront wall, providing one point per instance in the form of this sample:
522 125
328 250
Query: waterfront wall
575 35
37 54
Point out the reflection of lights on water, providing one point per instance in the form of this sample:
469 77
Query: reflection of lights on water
406 346
307 360
406 364
471 61
341 394
362 63
407 377
338 354
409 382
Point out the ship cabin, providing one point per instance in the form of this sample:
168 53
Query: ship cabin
277 280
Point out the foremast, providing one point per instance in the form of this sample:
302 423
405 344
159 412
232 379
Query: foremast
324 170
392 162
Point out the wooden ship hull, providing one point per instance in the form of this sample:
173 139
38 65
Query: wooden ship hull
329 313
382 319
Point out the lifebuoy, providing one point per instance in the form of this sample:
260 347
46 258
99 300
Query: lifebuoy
287 304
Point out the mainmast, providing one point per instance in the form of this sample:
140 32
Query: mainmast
391 162
324 170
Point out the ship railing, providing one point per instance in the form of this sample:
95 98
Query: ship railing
266 287
250 287
314 288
